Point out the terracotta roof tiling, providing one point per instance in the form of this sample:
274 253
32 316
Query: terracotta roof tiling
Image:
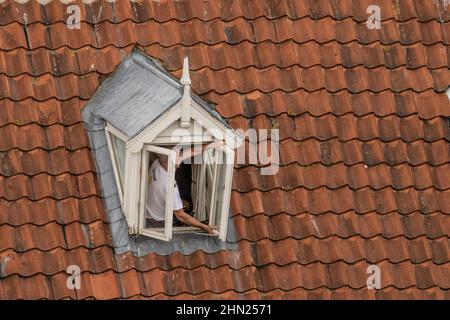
364 147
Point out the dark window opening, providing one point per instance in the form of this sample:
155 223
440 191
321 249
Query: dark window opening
183 177
186 183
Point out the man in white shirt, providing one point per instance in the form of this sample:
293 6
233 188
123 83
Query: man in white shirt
156 197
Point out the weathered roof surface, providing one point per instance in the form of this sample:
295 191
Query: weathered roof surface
365 159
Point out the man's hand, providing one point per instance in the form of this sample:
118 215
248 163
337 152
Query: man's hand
183 154
214 144
186 153
210 230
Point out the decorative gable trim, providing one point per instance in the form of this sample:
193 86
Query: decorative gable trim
185 120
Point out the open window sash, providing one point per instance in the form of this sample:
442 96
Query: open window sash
204 182
205 186
222 189
166 232
214 187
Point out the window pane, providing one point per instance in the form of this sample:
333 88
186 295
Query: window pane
214 186
119 152
205 186
200 195
155 202
220 188
159 192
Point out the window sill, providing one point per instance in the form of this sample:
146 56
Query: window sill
182 230
181 242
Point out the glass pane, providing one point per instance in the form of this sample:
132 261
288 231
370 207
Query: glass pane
200 203
119 152
194 187
155 202
160 193
209 180
220 188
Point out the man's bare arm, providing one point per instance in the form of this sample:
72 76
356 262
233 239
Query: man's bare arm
193 151
189 220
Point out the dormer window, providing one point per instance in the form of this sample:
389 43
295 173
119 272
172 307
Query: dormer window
169 152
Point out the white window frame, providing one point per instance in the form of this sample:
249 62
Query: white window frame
156 232
111 131
213 216
204 175
137 220
218 219
226 195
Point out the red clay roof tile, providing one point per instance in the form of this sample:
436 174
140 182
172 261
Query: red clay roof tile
364 151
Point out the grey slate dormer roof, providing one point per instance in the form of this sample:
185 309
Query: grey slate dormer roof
137 93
